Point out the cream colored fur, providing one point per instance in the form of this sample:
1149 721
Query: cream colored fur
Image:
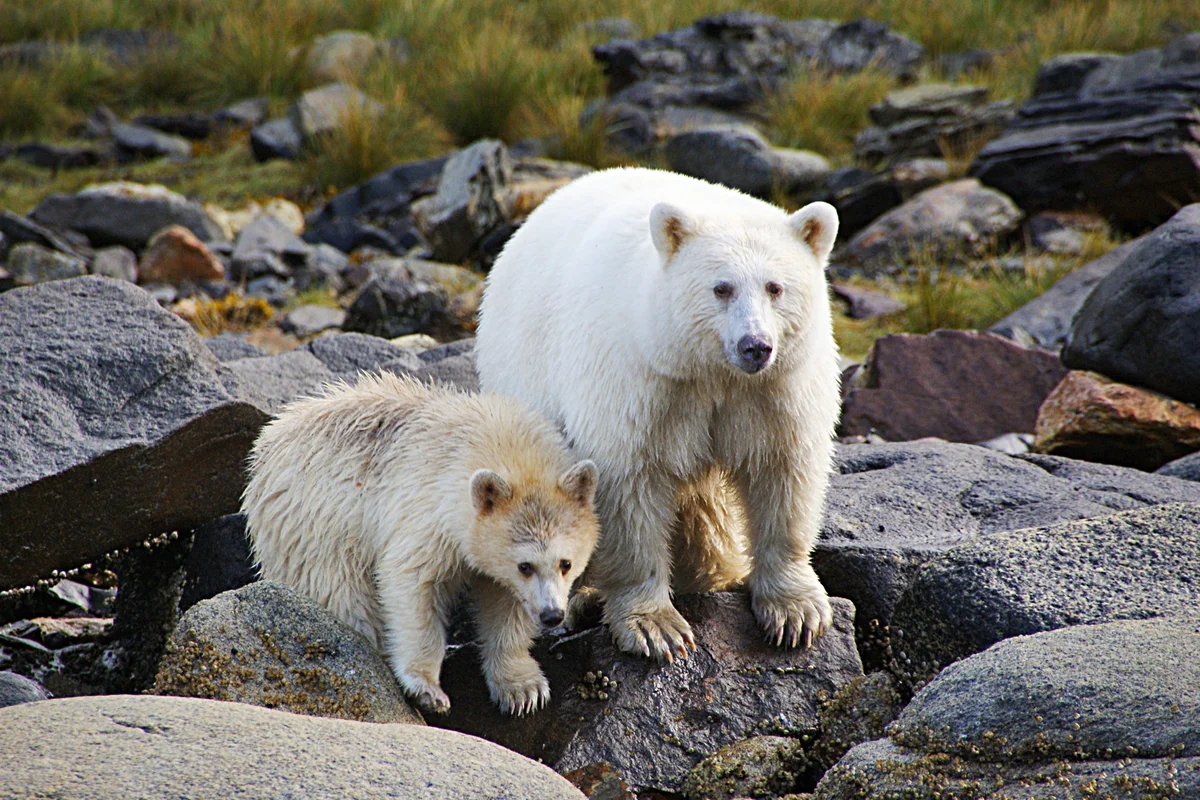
620 310
384 500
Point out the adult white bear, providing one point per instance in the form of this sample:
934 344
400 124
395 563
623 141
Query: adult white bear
680 334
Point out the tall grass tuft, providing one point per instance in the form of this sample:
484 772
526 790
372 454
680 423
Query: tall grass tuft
822 112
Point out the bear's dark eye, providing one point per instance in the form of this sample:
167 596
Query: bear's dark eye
525 568
774 289
565 566
723 291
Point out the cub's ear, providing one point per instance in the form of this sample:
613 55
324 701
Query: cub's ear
817 225
580 482
670 227
488 490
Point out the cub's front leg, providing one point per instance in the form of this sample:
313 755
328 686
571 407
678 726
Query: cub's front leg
414 630
783 504
506 632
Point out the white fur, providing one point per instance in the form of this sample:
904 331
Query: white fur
601 313
384 500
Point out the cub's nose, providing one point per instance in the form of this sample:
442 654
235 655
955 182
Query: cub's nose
552 617
755 352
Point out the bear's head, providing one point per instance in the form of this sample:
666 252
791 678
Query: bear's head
742 288
535 540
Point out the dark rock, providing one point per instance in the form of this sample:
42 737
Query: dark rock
1186 468
944 384
740 158
1094 710
858 712
267 645
867 303
1130 565
442 352
278 138
267 247
16 229
166 747
930 119
16 689
30 263
402 298
52 156
135 141
1140 323
276 291
894 507
242 114
348 235
953 221
762 766
188 124
125 213
1117 135
348 354
367 213
1046 320
227 347
271 382
855 46
67 656
470 201
123 425
309 320
219 561
115 262
659 721
456 371
322 267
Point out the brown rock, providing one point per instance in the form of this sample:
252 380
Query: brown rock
962 386
174 254
600 781
1091 417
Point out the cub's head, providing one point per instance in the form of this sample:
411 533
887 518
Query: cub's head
743 288
535 541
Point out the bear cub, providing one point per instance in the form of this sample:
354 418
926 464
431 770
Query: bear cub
384 500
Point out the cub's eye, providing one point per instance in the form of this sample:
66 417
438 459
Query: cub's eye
774 289
723 291
525 568
565 566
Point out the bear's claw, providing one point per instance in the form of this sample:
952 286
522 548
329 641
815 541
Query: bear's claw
795 621
433 699
661 634
522 697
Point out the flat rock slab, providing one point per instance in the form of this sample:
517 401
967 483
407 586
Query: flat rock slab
120 424
267 645
893 507
122 746
962 386
1132 565
658 722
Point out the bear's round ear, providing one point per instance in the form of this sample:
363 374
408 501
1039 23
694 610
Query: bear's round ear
670 227
817 225
488 490
580 482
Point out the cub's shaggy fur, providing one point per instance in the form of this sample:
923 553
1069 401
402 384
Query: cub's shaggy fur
383 500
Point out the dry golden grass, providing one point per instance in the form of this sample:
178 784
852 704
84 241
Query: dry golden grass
820 112
232 313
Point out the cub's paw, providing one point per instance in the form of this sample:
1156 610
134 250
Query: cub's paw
520 696
426 694
660 633
796 619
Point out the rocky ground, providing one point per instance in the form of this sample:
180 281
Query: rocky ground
1012 532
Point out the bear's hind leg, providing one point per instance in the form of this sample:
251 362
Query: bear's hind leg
514 679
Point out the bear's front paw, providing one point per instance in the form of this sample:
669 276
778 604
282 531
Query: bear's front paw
426 694
661 633
520 696
797 619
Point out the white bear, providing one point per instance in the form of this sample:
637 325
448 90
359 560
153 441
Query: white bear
680 334
384 500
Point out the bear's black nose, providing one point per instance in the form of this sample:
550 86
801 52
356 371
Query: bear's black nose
552 617
755 352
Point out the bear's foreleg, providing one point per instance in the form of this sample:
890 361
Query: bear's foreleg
783 505
506 632
633 568
413 611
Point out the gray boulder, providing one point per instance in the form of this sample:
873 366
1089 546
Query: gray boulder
471 200
310 319
168 747
1141 324
115 262
17 229
400 299
125 213
138 141
739 157
348 354
228 347
30 263
271 382
321 111
1045 321
267 645
893 507
1186 468
267 247
16 689
121 425
862 196
1132 565
1105 710
278 138
655 723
